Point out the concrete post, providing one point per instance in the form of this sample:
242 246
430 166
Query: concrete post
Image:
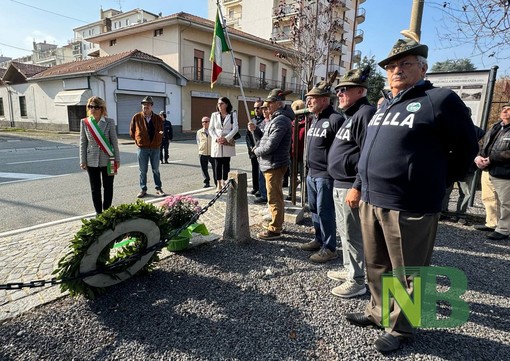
237 224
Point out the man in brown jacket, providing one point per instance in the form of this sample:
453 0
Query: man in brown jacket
146 129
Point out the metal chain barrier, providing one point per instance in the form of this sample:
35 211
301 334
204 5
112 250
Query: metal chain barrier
120 264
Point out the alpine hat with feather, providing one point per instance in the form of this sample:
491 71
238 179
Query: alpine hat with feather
277 94
323 88
409 46
355 77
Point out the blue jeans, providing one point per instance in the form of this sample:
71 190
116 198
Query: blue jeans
320 201
262 185
144 156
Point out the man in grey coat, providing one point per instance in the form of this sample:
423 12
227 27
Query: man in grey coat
273 155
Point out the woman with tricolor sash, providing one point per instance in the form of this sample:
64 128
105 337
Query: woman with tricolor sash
99 152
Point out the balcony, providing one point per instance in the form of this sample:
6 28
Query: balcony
356 57
234 20
360 15
284 11
230 80
358 38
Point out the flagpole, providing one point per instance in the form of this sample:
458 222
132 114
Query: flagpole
236 70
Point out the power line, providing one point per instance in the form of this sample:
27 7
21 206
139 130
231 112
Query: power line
47 11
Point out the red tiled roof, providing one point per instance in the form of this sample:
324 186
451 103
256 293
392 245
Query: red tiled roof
93 65
28 70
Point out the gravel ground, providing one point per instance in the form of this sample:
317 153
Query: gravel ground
260 301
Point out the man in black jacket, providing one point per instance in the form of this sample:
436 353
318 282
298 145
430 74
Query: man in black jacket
273 154
250 144
418 142
319 183
343 167
168 135
495 158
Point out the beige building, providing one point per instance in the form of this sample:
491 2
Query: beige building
272 19
183 41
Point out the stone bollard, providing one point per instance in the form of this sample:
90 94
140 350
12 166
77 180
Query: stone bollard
237 223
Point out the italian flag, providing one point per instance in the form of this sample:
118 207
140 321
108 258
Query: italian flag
219 46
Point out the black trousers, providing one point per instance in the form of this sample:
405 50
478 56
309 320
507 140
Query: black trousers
255 173
95 175
164 147
222 166
205 160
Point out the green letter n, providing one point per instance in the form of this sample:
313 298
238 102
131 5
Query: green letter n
391 283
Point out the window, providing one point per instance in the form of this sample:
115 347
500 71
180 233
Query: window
198 68
2 112
23 106
127 22
284 78
262 76
113 42
237 71
158 32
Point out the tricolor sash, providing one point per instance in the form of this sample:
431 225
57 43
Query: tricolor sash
102 142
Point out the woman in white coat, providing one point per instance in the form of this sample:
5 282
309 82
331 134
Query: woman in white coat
222 128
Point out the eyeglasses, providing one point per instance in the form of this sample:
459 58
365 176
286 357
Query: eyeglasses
96 107
402 65
342 89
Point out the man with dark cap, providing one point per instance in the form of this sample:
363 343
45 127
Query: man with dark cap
168 135
494 157
146 129
273 153
418 142
325 125
343 167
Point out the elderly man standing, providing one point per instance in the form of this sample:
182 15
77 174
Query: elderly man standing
146 129
417 143
494 157
319 138
273 153
343 167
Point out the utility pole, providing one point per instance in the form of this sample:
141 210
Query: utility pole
416 15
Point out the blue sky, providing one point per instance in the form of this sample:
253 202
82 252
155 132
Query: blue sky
21 24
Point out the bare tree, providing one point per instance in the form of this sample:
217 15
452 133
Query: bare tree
309 30
485 24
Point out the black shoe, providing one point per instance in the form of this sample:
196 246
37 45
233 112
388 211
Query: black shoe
207 185
166 162
288 198
497 236
359 319
162 162
257 194
389 343
260 200
253 191
483 227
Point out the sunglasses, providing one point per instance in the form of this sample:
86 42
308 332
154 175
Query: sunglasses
342 89
96 107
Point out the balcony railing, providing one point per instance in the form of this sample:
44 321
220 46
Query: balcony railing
229 79
358 38
356 57
360 16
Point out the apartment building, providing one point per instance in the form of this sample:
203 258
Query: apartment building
274 19
183 41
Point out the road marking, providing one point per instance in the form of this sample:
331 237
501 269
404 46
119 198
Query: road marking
25 177
42 160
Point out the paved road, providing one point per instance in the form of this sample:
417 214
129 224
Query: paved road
40 180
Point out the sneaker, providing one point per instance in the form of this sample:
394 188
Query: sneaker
269 235
496 236
260 200
311 246
341 275
323 255
253 191
160 192
349 288
142 194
